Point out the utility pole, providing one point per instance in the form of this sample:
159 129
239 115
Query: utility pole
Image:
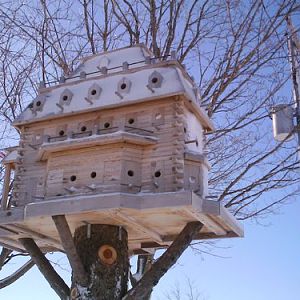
283 114
294 57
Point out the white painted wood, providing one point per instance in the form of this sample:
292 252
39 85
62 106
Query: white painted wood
5 191
231 222
10 158
207 221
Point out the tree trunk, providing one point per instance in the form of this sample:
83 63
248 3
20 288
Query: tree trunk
103 250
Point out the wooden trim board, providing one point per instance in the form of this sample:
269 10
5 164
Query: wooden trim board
183 200
95 140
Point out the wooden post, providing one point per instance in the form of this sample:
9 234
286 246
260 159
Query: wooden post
5 191
55 281
294 50
66 238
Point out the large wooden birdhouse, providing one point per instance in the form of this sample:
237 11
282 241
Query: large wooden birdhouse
120 141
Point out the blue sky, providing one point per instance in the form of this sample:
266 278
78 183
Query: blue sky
263 265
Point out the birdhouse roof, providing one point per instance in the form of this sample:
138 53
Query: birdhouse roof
111 79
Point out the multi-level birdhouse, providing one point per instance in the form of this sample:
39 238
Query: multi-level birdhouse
121 142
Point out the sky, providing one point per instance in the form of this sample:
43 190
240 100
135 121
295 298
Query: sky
264 265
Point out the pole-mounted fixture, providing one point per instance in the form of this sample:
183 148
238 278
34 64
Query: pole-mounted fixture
283 114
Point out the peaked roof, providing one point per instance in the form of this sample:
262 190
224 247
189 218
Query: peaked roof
116 78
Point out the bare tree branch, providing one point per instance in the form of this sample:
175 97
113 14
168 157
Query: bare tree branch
16 275
163 264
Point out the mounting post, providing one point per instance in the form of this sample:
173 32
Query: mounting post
56 282
294 50
71 252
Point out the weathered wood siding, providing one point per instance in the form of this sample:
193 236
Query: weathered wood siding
113 167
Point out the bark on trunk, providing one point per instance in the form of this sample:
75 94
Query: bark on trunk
103 250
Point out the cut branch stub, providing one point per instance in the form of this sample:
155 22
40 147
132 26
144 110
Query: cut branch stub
104 254
107 254
16 275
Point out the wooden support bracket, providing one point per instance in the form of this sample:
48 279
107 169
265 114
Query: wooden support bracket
88 100
67 241
207 221
118 94
137 225
23 230
32 146
150 88
60 106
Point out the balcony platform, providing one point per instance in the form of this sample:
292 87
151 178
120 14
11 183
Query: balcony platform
95 140
151 220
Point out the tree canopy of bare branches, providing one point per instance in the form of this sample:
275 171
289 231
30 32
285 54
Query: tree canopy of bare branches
236 51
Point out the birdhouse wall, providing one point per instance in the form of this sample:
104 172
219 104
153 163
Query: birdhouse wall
194 132
82 154
196 177
83 171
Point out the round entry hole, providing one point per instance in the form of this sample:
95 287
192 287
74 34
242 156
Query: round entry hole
130 173
157 174
61 133
123 86
106 125
93 175
130 121
38 103
83 128
93 92
192 179
73 178
154 80
65 98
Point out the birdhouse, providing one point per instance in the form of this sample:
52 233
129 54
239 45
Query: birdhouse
120 141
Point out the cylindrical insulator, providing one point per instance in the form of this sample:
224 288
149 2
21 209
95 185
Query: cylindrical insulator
282 116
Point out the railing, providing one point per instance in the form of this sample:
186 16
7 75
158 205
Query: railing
105 70
97 131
